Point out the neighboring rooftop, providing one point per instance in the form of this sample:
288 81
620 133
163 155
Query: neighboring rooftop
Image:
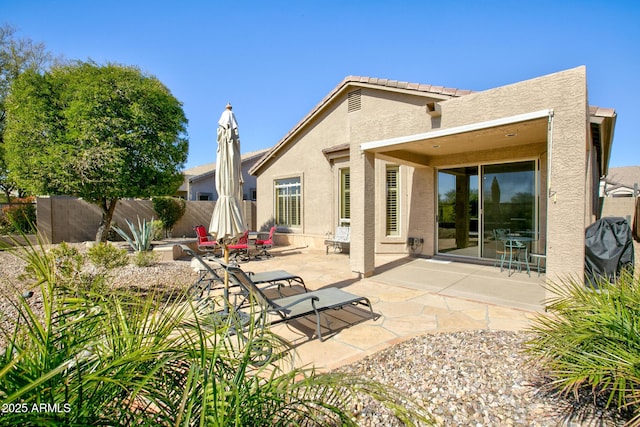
622 177
209 168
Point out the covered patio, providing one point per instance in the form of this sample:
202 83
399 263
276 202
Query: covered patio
524 159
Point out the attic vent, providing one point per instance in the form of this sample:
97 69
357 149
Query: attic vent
354 101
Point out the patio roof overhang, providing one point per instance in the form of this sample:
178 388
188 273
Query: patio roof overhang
427 148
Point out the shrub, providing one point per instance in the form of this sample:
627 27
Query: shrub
169 210
589 342
107 256
158 231
145 258
65 265
20 217
67 259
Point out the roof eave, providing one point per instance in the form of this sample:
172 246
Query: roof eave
605 118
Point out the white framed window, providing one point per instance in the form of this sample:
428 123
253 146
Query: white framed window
345 197
392 213
288 199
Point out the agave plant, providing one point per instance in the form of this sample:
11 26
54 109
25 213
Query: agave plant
117 359
589 341
140 239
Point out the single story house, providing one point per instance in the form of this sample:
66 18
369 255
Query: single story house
200 181
433 171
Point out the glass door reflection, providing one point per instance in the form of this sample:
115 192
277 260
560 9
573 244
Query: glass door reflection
509 203
458 211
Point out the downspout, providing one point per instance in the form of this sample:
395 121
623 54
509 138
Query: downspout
550 193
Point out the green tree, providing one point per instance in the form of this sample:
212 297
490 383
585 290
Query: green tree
101 133
16 56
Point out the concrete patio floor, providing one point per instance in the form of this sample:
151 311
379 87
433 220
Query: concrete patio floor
410 297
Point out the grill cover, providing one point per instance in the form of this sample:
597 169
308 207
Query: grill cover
608 250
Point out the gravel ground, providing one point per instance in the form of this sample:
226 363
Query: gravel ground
473 378
163 276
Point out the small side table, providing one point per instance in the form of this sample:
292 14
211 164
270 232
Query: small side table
537 258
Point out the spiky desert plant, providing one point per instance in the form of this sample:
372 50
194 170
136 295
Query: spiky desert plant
141 237
589 341
118 359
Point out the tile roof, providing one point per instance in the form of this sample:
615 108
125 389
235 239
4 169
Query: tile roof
601 112
419 87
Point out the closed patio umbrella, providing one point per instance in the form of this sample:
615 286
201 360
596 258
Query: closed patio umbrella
227 222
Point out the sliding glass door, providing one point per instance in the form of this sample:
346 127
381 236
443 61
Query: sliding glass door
474 201
458 215
510 202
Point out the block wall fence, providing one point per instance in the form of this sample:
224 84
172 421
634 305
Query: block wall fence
68 219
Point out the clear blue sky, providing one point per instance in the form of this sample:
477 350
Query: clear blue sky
275 60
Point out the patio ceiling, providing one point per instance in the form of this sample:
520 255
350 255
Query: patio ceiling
426 148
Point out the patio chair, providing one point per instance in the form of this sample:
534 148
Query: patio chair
205 242
301 305
240 250
500 237
540 260
340 241
263 245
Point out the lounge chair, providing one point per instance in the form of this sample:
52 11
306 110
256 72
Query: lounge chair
211 278
263 244
205 242
340 241
296 306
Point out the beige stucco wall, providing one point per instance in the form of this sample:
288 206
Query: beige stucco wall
381 115
620 206
306 160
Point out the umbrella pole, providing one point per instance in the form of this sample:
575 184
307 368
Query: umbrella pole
226 280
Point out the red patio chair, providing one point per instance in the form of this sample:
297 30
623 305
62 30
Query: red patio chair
205 242
241 249
263 245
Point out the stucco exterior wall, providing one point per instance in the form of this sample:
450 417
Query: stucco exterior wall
388 115
566 93
307 161
381 115
421 208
